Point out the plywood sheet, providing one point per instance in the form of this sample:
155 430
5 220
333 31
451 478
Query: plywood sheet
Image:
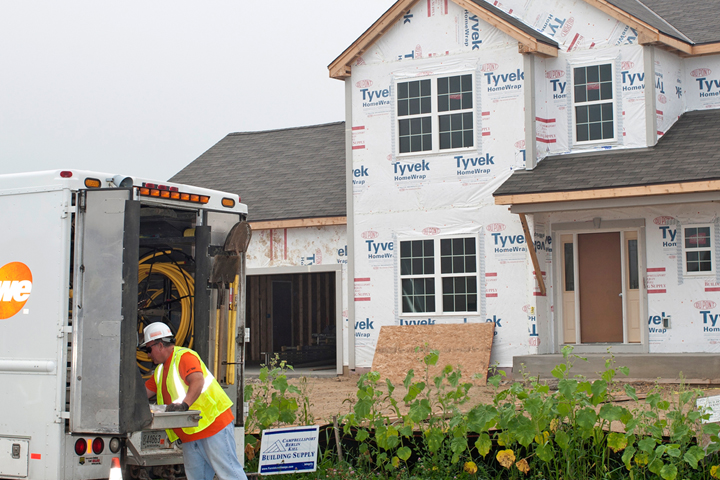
466 344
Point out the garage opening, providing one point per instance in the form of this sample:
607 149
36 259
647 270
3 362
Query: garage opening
293 316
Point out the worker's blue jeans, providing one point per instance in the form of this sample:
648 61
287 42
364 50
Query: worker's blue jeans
213 455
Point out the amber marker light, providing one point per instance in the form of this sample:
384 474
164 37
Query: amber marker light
164 194
175 195
144 191
228 202
204 199
92 183
154 193
194 198
185 196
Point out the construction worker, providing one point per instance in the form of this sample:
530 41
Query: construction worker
182 382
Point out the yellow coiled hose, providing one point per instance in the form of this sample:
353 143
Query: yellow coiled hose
185 286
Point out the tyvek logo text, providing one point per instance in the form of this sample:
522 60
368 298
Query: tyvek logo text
656 320
372 98
411 171
15 288
632 81
379 249
359 175
669 235
472 31
362 327
508 243
471 165
504 81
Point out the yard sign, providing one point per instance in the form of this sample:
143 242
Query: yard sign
289 450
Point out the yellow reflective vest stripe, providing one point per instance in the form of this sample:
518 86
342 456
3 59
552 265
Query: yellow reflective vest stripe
212 400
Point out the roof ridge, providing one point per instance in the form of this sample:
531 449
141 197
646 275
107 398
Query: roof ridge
286 128
664 20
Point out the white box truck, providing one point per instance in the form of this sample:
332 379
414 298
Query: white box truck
88 259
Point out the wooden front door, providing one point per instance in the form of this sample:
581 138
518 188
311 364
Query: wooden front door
600 283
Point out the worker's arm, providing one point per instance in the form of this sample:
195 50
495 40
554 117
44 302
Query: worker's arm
195 382
150 393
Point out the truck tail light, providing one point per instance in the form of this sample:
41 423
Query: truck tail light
66 174
98 445
171 193
114 444
80 446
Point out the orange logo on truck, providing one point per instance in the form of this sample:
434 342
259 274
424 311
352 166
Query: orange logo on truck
15 288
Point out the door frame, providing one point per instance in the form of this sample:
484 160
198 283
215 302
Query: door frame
597 225
337 269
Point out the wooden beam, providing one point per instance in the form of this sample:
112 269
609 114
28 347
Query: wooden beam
622 192
318 302
301 312
309 307
538 48
678 44
705 49
340 67
533 255
298 223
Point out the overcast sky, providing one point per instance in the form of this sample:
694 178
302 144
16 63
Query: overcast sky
143 87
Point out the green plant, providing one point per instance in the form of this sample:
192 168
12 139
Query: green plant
274 402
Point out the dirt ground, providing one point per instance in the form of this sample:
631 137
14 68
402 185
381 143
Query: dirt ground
336 395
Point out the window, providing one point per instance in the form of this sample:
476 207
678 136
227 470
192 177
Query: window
697 250
593 104
435 114
439 275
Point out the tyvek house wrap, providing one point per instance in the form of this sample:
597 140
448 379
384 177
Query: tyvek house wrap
399 197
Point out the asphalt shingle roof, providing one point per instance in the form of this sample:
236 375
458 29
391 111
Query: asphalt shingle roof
280 174
689 151
695 20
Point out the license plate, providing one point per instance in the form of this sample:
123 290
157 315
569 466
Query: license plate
153 440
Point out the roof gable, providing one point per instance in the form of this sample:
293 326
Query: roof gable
529 40
688 27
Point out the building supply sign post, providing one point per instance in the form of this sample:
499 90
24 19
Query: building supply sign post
289 450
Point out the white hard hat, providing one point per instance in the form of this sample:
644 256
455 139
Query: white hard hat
156 331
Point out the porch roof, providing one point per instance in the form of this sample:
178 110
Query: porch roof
685 160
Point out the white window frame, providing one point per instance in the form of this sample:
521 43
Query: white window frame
603 141
435 115
710 249
438 276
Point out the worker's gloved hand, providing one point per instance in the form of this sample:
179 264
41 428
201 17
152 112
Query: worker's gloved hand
177 407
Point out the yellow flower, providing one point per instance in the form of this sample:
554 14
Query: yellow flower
506 458
714 471
523 466
395 462
435 468
470 467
